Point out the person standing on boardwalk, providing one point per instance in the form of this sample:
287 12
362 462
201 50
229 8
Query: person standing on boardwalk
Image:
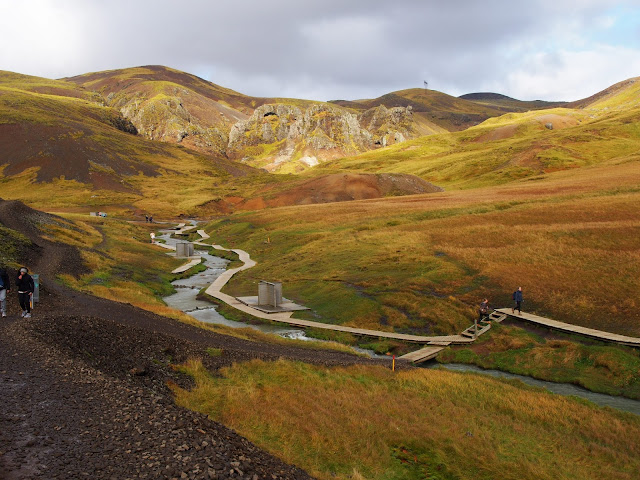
5 287
517 301
483 310
25 287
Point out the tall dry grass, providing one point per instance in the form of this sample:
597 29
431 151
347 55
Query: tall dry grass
369 422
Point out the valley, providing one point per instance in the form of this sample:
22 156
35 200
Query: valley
399 214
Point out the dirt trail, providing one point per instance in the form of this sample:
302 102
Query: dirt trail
83 385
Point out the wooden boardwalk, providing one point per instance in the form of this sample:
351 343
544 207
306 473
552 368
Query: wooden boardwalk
569 328
422 355
435 344
285 317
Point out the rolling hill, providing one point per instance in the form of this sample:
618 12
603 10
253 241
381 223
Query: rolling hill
509 104
544 199
601 129
62 147
278 134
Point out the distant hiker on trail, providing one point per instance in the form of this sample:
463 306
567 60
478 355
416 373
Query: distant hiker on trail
483 311
153 237
146 218
517 300
150 218
25 287
5 287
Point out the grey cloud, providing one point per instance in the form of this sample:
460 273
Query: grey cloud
326 49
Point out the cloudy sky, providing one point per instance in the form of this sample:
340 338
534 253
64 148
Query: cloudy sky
336 49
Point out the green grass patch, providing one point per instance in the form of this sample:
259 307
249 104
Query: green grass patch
596 366
214 352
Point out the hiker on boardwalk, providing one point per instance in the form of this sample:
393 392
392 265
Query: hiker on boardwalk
25 288
517 301
5 287
483 310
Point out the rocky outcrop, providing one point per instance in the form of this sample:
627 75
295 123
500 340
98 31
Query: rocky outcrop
177 115
279 133
389 125
166 118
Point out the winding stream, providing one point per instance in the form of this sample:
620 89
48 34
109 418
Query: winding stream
620 403
185 299
187 289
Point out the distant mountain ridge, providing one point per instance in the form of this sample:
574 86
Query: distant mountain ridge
508 104
176 107
143 134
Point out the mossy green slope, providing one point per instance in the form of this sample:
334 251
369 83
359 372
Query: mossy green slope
514 146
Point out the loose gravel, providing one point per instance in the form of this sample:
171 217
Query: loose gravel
83 385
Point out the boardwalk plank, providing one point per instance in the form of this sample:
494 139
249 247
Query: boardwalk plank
569 328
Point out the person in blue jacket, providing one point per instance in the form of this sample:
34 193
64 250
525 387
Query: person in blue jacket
517 300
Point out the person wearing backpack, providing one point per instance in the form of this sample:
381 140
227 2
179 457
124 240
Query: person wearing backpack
517 299
25 287
5 287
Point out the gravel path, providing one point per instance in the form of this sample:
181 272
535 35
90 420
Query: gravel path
83 385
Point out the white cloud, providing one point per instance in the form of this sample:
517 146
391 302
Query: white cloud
42 37
573 75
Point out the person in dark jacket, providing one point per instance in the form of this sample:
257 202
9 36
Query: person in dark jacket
25 288
483 310
517 299
5 287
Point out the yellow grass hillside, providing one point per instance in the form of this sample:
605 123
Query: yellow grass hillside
62 148
516 145
420 264
359 422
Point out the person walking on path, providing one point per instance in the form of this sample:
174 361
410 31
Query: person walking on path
25 288
517 301
5 288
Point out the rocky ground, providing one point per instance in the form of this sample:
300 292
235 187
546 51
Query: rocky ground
83 387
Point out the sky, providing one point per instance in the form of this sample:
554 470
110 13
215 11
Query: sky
336 49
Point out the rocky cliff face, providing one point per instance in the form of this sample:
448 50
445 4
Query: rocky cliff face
167 105
389 125
278 136
174 119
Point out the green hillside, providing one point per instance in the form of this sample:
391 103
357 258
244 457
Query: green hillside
62 148
511 147
509 104
435 111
